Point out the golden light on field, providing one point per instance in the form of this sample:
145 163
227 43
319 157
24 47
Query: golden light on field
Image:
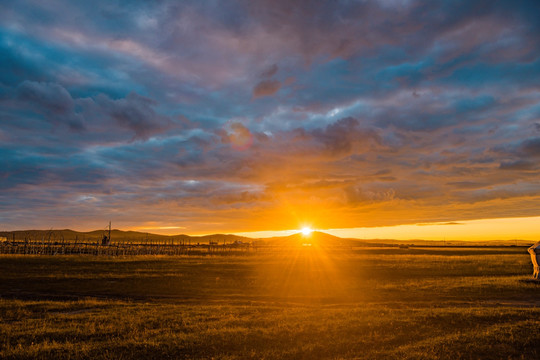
304 271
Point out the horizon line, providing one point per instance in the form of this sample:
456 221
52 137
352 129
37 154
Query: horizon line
291 232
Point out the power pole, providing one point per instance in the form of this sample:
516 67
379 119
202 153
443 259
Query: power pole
109 232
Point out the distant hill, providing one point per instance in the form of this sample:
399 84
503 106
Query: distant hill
316 238
117 236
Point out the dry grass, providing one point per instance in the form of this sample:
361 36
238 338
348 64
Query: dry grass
304 305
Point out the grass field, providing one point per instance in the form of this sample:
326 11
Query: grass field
309 303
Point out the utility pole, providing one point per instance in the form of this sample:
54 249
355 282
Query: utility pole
109 232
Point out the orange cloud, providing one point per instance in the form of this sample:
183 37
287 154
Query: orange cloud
266 88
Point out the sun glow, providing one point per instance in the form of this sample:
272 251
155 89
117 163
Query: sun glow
306 231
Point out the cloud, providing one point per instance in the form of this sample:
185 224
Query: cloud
443 223
469 184
270 71
266 88
236 134
531 147
387 112
91 117
340 137
136 113
517 165
50 96
355 194
51 100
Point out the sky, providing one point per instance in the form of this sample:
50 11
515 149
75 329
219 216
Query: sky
242 116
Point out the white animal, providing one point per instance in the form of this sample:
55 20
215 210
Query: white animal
535 258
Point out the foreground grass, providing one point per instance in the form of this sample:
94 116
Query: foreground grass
306 305
116 330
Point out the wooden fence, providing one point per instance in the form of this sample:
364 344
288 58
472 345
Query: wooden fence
121 249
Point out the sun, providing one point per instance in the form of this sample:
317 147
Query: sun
306 231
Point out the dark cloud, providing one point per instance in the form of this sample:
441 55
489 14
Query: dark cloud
270 71
136 113
468 184
531 147
52 97
50 100
517 165
96 118
341 136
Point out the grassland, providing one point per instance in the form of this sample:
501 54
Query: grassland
304 304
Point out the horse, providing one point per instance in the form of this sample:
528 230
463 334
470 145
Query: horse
535 258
